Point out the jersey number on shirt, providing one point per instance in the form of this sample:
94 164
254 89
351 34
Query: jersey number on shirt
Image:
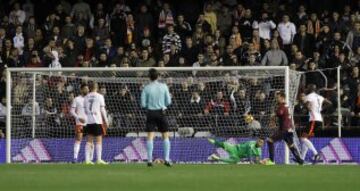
91 101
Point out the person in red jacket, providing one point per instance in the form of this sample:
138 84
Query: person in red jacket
218 106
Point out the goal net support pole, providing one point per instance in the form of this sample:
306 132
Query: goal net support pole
8 116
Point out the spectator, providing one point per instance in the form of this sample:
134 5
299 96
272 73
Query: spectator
50 112
265 26
189 51
55 60
103 60
313 25
166 18
120 55
130 30
301 112
27 110
240 102
81 8
336 24
101 31
30 27
182 96
251 61
17 16
301 15
287 31
353 37
182 27
235 34
145 60
144 20
19 40
218 106
197 104
90 51
109 49
313 76
275 56
245 25
229 58
171 38
210 17
118 25
35 60
304 41
203 24
126 100
100 13
300 61
225 20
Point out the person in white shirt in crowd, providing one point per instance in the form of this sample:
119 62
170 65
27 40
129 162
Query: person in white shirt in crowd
17 16
55 62
18 40
265 26
287 31
27 110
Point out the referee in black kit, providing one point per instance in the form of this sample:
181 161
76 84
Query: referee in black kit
155 98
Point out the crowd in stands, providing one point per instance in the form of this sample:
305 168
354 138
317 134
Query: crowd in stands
307 36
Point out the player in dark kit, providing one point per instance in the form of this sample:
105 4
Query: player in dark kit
285 130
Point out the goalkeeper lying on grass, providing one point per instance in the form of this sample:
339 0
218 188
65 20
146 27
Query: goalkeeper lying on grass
248 149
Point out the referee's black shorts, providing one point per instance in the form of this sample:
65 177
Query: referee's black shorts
94 130
156 119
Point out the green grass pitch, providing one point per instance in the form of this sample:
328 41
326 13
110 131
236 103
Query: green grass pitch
138 177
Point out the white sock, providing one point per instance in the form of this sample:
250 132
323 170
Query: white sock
76 149
304 150
309 144
87 151
92 152
98 151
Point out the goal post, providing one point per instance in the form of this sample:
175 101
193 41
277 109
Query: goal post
38 101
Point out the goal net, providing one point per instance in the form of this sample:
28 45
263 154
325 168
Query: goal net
207 102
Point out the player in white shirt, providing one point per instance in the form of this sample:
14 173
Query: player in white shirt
96 119
314 103
78 112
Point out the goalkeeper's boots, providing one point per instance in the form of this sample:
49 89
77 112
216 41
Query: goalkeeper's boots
150 164
168 164
214 157
316 159
101 162
269 162
89 163
212 141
